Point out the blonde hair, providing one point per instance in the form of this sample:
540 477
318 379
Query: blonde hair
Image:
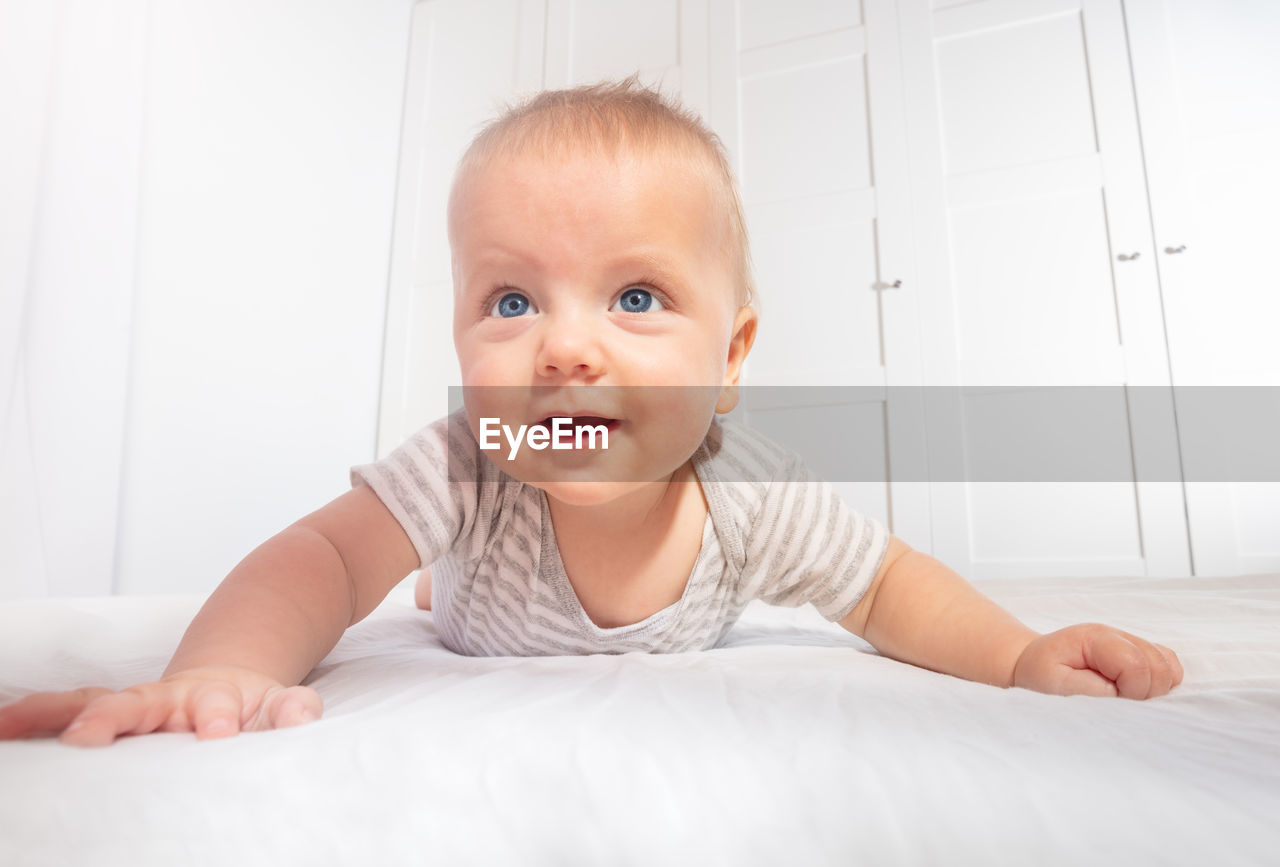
606 118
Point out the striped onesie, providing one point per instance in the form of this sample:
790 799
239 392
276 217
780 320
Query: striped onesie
498 586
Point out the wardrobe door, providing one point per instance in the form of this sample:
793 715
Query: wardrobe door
1206 76
467 59
663 41
807 96
1033 238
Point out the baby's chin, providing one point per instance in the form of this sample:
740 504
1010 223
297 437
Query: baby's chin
577 493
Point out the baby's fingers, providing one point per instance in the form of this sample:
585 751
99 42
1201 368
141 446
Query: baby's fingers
1119 659
45 713
214 710
1086 681
1163 671
136 710
1139 668
290 707
1175 664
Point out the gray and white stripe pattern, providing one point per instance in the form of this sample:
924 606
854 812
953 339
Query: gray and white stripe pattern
773 532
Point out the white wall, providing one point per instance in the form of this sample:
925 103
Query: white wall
196 211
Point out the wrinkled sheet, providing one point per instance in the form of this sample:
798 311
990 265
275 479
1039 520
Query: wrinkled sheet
794 743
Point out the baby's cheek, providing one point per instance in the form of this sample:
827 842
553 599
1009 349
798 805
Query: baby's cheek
672 421
693 360
486 366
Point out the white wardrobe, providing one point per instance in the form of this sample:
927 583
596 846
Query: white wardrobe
991 193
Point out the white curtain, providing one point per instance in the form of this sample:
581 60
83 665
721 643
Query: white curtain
71 114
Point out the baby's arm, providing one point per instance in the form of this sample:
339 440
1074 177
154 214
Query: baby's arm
276 615
918 610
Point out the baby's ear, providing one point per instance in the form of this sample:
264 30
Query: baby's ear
728 399
742 336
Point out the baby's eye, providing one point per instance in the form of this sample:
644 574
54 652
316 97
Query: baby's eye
636 300
511 304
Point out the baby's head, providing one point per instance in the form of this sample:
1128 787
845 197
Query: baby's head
616 120
598 240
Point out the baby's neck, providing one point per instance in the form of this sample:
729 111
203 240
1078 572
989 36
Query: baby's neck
648 509
632 557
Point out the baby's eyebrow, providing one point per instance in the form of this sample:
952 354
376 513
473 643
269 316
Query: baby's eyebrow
648 263
499 256
623 265
481 269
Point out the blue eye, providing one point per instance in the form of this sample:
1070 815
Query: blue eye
510 305
637 300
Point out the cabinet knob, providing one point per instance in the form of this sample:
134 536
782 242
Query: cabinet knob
1127 258
1174 250
896 284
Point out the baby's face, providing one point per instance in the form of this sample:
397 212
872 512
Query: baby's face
588 286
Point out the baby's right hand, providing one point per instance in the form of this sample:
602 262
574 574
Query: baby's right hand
213 702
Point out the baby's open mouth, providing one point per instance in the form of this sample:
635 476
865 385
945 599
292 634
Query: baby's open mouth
581 421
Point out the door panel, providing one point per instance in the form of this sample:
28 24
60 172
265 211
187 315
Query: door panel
590 40
768 22
1027 177
452 90
804 129
1013 90
1205 76
804 110
1035 302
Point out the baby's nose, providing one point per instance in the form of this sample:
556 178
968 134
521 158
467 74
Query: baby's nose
569 347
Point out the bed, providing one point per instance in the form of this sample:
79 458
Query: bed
794 743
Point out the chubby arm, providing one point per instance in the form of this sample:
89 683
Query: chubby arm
920 611
284 607
277 614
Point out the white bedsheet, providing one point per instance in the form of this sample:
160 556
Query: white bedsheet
794 744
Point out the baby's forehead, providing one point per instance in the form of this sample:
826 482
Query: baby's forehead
653 177
685 166
683 174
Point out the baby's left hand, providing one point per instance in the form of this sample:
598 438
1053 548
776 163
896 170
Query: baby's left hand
1092 659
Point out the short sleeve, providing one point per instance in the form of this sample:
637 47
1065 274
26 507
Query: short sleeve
443 510
807 546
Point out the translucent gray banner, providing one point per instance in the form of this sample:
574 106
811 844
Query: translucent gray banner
916 434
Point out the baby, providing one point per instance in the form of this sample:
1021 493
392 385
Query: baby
602 279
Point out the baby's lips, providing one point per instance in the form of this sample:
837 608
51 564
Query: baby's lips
580 419
594 421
